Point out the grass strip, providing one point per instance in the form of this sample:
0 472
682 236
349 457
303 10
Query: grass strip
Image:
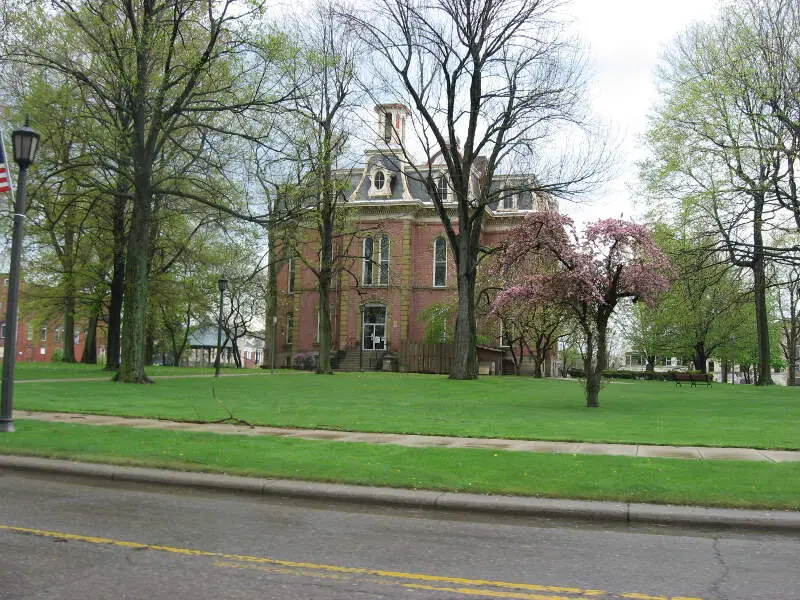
687 482
640 412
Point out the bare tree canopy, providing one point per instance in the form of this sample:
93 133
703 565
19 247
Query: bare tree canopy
492 82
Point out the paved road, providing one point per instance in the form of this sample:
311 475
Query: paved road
64 538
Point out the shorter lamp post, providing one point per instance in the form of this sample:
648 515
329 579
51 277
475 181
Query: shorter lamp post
274 343
26 143
361 345
222 283
733 359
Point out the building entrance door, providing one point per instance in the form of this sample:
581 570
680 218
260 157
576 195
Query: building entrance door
374 327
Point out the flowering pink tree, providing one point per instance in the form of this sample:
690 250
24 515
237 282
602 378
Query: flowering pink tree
587 275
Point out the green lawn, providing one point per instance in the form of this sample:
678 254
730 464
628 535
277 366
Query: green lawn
673 481
636 412
57 370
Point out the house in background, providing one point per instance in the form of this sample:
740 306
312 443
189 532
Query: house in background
38 339
202 351
400 262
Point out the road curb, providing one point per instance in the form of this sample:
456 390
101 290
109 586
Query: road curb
650 514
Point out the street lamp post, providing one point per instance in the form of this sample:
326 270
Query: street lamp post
361 345
26 143
222 283
733 359
274 342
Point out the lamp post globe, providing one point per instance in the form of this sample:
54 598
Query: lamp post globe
25 142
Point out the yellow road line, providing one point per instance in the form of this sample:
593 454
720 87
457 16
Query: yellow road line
485 593
579 592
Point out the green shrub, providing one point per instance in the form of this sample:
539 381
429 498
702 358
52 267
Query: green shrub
57 356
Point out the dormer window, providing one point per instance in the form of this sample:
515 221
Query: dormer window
380 182
508 200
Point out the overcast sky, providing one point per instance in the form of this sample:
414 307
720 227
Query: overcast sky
624 40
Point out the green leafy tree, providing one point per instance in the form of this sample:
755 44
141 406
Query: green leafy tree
168 78
724 141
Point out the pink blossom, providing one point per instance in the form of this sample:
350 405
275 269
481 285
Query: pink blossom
613 259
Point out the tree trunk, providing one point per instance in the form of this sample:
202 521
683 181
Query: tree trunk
67 262
465 358
594 368
237 356
591 372
700 357
651 363
764 376
117 277
134 324
324 362
271 344
90 343
69 320
324 287
537 368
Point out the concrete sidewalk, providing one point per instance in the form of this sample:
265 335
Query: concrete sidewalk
419 441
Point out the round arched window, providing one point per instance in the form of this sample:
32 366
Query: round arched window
379 180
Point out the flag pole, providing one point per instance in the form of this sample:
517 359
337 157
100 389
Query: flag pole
8 166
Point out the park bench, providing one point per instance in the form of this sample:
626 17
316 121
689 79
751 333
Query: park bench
694 378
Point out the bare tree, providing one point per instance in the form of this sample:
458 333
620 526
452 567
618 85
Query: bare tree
490 81
326 71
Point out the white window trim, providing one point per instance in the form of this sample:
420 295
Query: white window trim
444 241
376 259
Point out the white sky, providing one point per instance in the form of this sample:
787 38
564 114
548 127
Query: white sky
624 40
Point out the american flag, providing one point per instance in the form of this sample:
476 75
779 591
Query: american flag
5 183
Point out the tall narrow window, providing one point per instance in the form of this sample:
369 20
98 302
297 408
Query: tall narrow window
443 188
439 263
44 334
292 268
368 247
289 327
383 273
30 333
508 200
387 128
379 180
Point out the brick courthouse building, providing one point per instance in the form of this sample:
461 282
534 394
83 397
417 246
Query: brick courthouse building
400 263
